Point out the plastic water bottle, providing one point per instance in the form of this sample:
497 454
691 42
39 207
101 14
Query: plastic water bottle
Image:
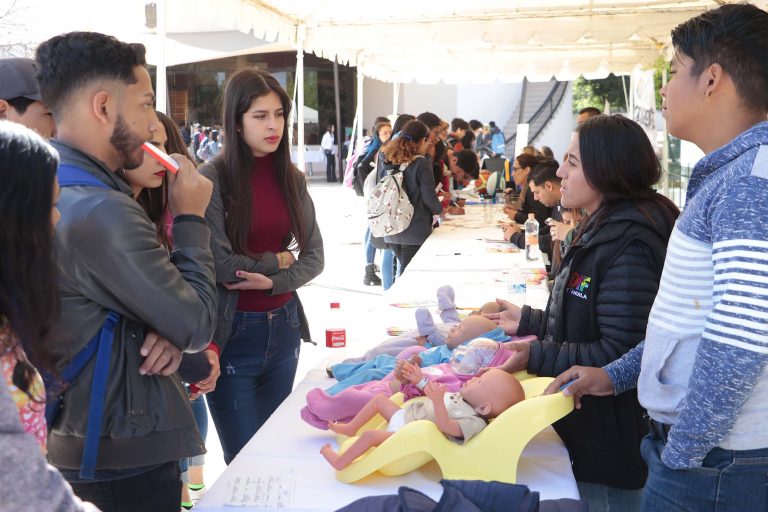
335 336
487 209
532 251
516 287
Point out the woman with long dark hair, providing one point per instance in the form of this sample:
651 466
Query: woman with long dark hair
28 307
522 167
260 214
602 296
409 149
150 189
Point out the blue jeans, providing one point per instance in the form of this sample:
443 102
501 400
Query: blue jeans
727 481
370 250
258 366
604 498
200 412
387 268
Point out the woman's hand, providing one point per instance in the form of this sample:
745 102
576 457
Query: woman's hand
250 281
285 259
209 383
517 361
559 230
509 319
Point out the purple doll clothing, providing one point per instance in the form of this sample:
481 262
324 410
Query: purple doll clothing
322 407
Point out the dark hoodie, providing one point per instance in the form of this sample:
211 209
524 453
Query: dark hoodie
597 311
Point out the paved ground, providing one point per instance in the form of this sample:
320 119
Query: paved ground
341 217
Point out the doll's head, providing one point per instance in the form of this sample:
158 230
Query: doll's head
469 358
469 328
492 393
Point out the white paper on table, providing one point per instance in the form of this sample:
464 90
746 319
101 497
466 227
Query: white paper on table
263 489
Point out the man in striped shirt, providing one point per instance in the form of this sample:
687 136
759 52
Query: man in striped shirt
701 371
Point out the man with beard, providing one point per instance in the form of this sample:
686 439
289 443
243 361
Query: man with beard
110 261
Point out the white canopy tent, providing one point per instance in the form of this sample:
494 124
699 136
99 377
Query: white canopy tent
398 41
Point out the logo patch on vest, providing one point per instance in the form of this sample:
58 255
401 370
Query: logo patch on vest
578 285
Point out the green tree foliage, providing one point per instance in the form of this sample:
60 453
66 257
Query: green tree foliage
593 93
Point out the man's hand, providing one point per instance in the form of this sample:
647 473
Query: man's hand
209 383
509 319
251 281
412 373
189 192
434 391
583 381
161 357
510 230
511 211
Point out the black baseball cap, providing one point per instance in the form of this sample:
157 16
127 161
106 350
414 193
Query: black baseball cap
18 79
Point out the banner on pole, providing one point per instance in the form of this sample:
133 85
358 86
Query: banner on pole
644 102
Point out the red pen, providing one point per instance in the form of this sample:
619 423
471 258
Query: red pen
165 160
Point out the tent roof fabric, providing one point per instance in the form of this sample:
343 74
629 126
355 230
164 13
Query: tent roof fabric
481 41
425 41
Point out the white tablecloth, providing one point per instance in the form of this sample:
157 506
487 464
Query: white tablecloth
283 458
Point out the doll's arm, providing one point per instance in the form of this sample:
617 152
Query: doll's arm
446 425
411 373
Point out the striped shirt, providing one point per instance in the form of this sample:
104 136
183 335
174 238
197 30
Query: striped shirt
704 359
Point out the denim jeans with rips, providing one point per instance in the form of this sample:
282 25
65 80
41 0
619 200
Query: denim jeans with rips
258 366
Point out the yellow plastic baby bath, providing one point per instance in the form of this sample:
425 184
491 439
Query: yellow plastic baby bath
492 455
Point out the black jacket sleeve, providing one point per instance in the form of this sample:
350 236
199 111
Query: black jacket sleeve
530 321
623 302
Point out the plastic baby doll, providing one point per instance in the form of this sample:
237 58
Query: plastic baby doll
465 363
377 368
427 333
460 416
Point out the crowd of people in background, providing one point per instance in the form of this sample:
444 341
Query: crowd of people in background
125 288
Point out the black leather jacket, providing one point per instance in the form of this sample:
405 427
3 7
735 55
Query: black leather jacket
109 259
597 311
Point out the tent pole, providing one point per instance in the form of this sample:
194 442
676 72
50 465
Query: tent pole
395 98
665 146
339 130
161 93
360 79
300 102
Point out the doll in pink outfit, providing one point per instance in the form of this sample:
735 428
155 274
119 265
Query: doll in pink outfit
459 415
322 407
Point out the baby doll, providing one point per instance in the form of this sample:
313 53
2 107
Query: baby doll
322 407
427 333
460 416
378 367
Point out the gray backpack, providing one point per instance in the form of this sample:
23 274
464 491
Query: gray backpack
389 209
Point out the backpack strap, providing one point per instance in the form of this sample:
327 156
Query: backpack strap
98 393
71 176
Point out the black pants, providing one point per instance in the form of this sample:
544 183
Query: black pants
158 490
404 254
330 166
